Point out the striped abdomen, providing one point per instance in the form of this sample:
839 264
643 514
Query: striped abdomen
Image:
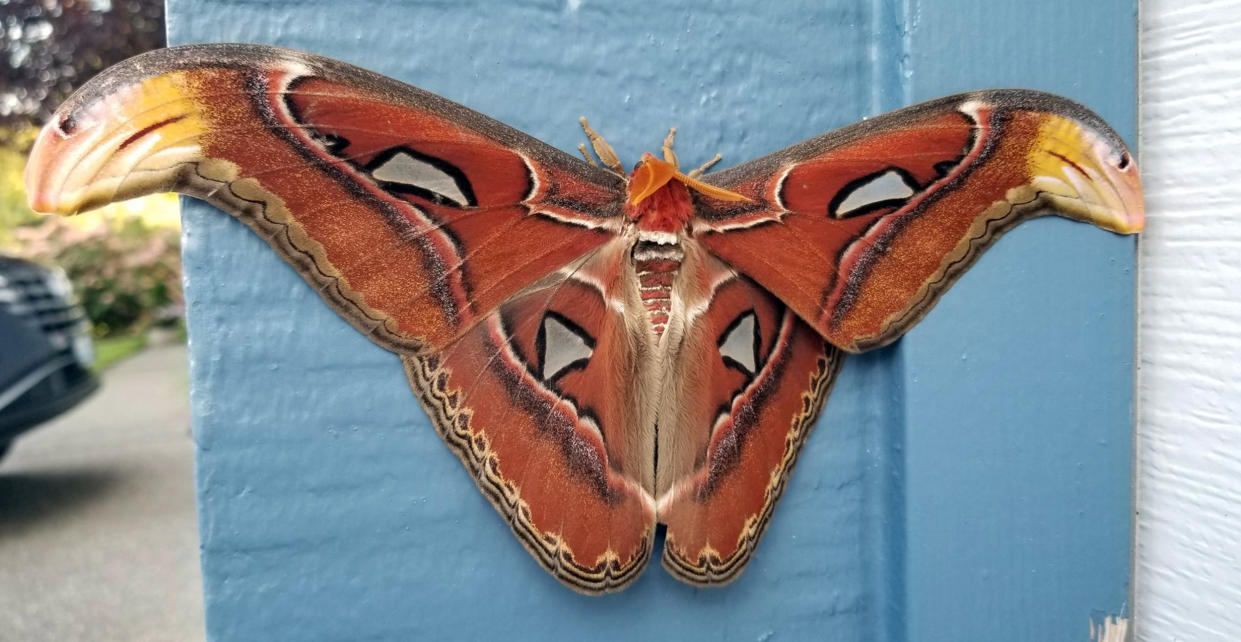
656 265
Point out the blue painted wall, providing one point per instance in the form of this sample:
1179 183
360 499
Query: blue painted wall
972 482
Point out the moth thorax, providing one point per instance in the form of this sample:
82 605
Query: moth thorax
667 209
657 257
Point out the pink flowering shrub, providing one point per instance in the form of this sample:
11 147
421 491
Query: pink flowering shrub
126 272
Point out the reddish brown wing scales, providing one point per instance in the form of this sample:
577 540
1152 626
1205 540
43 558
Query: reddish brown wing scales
535 402
412 215
457 206
444 236
752 383
378 253
926 151
367 130
472 243
493 265
875 221
809 234
816 231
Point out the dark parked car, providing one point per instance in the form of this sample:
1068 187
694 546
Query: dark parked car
45 348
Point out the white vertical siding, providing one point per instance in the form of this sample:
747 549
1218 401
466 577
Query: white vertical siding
1189 429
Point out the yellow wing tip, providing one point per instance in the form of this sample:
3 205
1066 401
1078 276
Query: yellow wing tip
128 143
1087 174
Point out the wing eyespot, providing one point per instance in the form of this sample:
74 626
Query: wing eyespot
739 343
890 187
562 346
402 169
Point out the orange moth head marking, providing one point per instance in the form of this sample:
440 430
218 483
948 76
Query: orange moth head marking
652 173
657 195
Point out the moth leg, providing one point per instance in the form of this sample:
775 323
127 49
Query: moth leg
581 147
705 166
603 150
670 155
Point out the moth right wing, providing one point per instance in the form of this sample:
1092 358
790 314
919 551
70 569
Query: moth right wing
750 381
861 230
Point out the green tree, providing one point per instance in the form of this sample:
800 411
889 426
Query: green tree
50 47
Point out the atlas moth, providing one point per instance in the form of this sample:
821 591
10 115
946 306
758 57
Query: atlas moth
655 344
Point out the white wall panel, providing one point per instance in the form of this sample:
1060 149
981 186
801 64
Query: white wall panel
1189 439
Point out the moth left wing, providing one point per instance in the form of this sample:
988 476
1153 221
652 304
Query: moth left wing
750 378
861 230
481 256
540 403
412 215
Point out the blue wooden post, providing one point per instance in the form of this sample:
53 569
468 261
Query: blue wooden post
972 482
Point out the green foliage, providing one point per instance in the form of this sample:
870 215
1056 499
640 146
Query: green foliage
13 210
126 272
113 350
124 262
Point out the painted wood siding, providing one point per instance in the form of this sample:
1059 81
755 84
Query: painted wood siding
971 482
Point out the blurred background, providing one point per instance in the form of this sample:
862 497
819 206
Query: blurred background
97 526
123 264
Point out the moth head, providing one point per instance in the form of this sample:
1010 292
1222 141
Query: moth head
651 174
648 177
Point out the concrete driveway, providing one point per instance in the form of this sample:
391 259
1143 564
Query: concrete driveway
98 538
